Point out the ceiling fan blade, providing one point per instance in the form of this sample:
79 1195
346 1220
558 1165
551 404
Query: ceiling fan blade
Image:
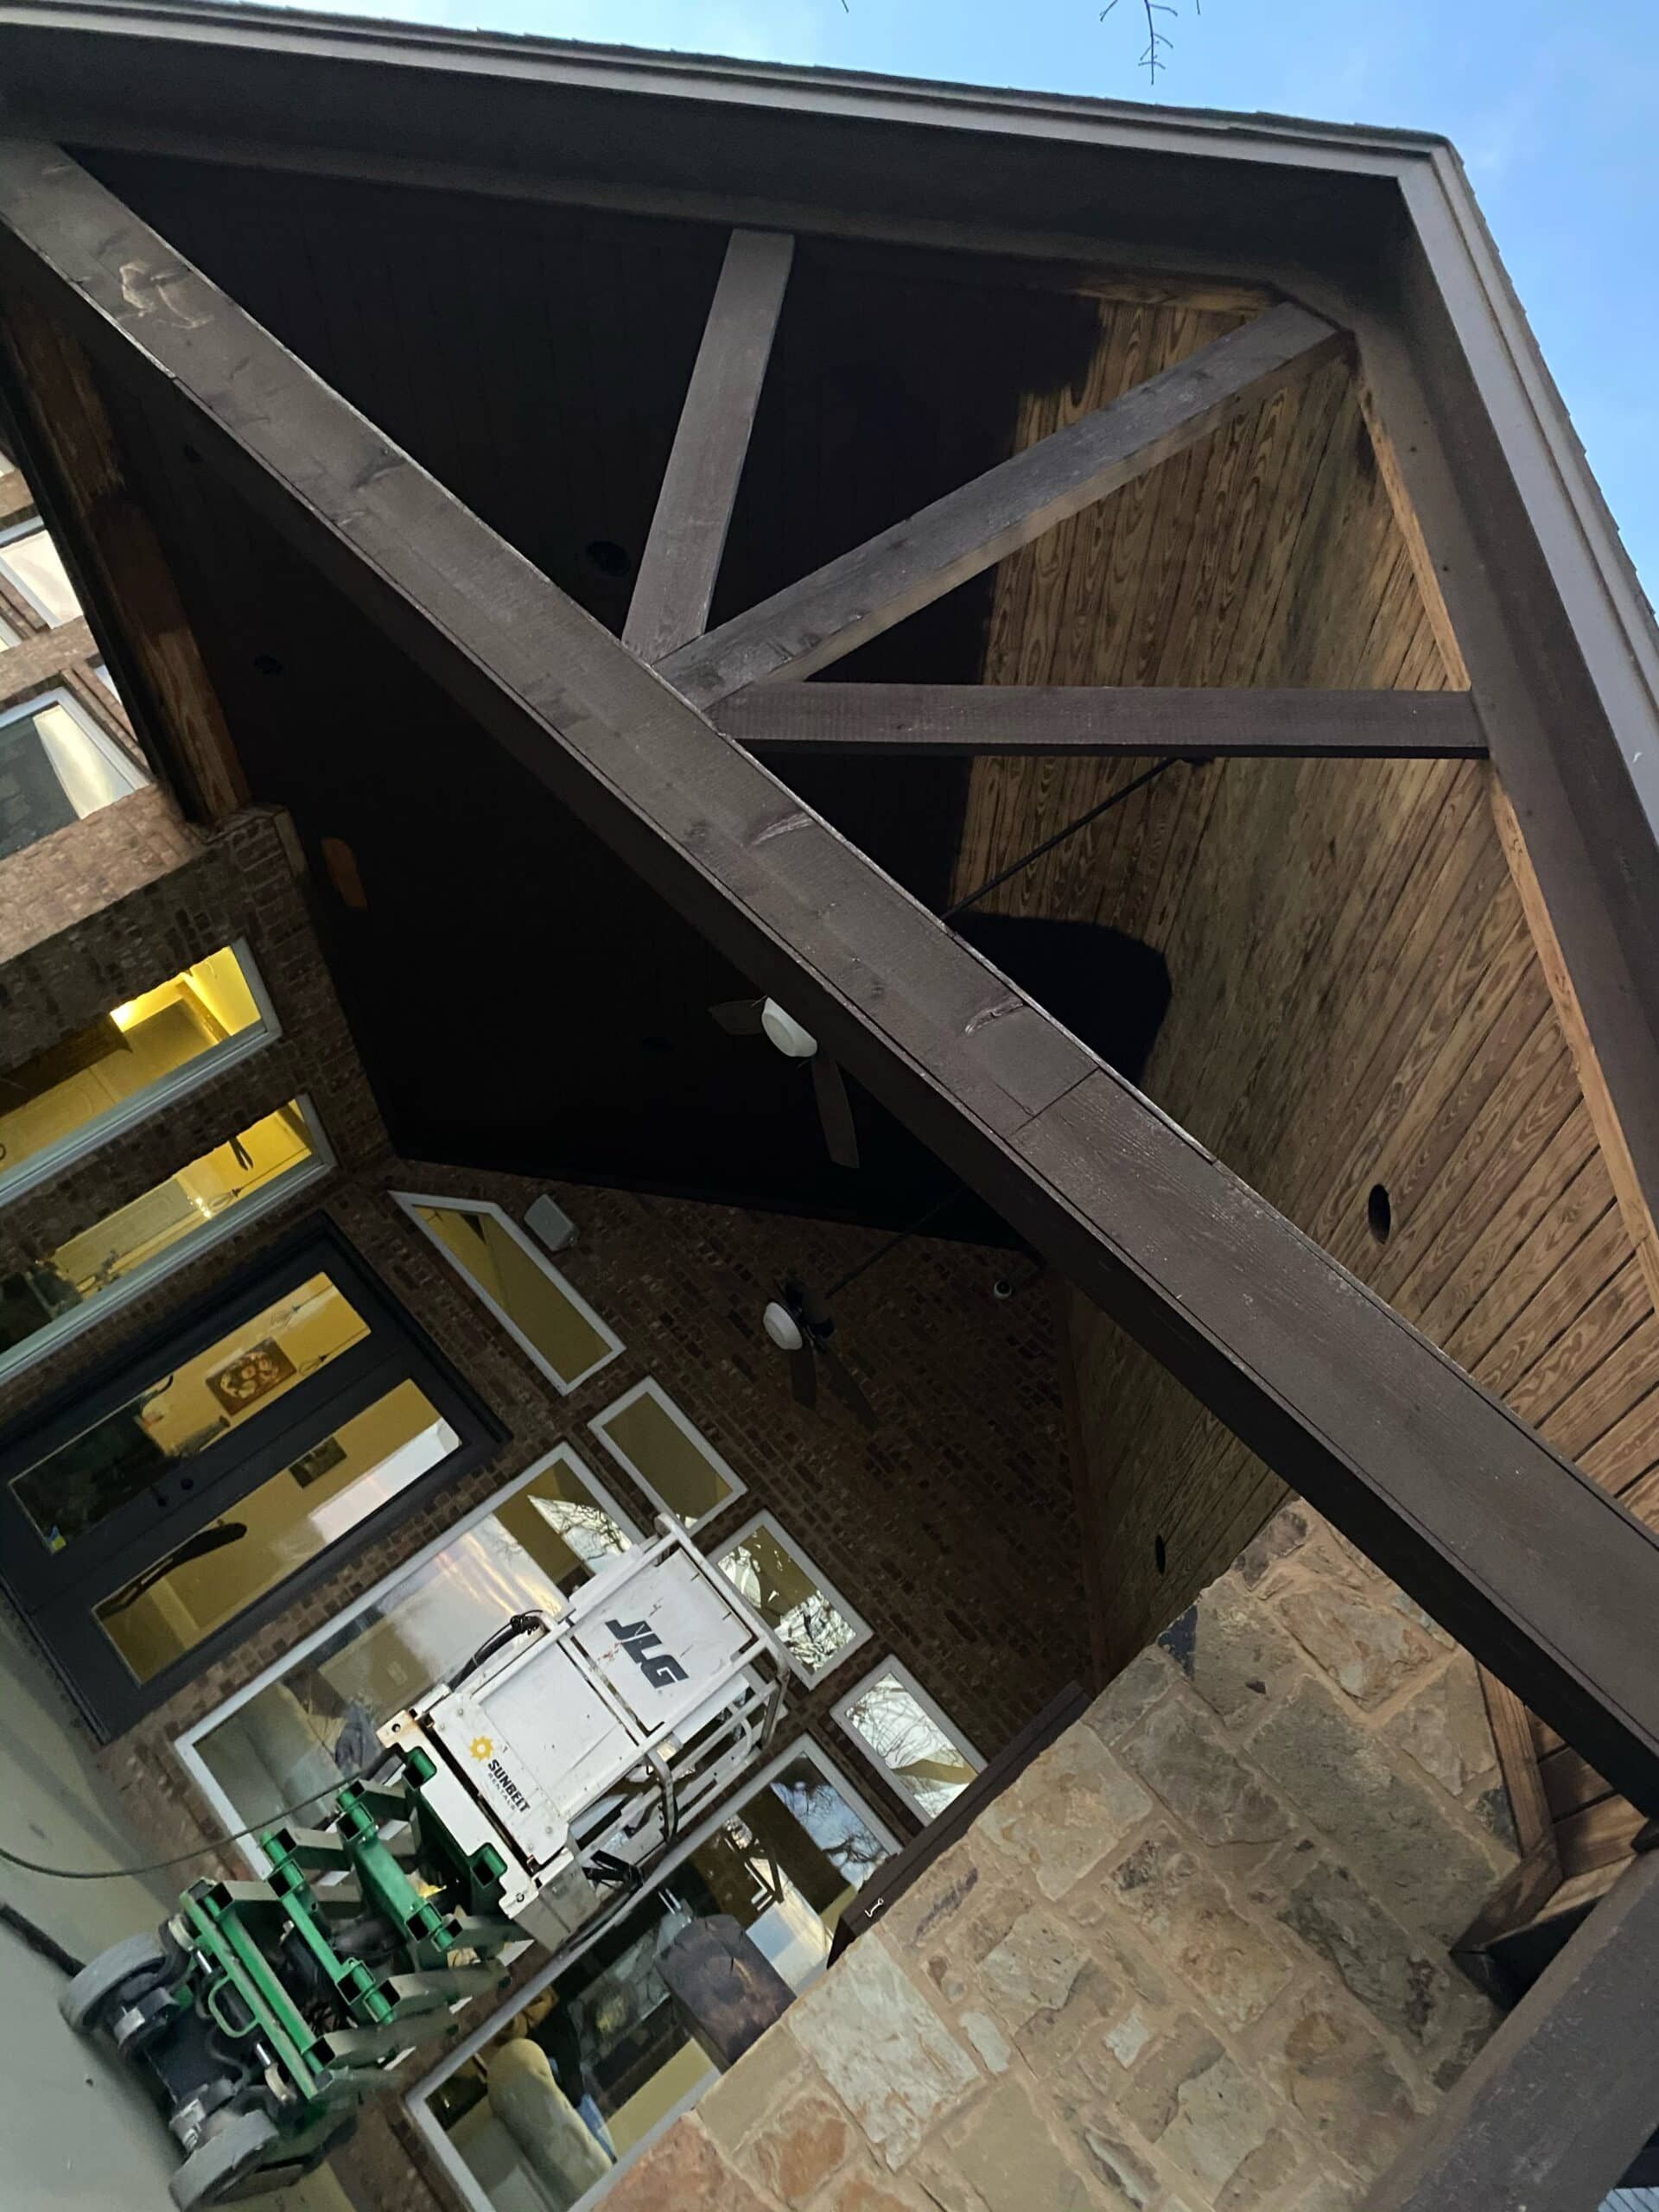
835 1111
739 1017
803 1376
845 1385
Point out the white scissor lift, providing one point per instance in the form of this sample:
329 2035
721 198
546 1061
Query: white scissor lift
587 1740
535 1792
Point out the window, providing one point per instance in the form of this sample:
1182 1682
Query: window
673 1462
785 1859
44 1301
90 1086
30 564
149 1513
56 766
894 1722
543 1314
803 1608
309 1722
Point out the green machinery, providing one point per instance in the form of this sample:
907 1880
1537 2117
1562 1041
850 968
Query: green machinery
264 2012
527 1798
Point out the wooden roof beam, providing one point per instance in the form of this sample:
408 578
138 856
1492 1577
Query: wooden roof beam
949 720
1538 1572
1554 2109
678 570
121 572
849 600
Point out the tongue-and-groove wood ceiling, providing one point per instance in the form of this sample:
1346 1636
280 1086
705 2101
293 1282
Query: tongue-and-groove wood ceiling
1356 1000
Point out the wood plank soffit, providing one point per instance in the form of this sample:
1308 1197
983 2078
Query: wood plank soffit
1518 1554
946 720
854 598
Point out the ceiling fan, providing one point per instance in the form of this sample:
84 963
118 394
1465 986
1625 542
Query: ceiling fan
765 1018
800 1323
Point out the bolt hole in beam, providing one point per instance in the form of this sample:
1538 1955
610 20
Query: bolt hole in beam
1379 1212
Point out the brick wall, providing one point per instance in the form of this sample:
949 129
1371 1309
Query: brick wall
950 1530
1194 1961
84 867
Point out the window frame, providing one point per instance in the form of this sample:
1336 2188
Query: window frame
34 526
863 1632
651 1388
165 1092
115 756
58 1592
409 1200
92 1312
186 1742
954 1735
417 2099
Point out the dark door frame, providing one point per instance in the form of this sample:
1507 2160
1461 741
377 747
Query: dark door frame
57 1593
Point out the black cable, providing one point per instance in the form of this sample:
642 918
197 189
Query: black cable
204 1849
37 1940
1117 798
893 1241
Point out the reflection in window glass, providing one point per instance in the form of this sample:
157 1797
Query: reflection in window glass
187 1410
30 564
61 1097
671 1461
890 1719
45 1299
178 1599
316 1724
815 1625
55 767
586 2067
558 1328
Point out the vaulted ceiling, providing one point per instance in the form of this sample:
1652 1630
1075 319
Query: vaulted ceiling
521 999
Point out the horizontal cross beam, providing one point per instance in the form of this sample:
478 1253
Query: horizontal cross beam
1539 1573
850 600
944 721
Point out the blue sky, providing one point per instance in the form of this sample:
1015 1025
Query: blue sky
1554 108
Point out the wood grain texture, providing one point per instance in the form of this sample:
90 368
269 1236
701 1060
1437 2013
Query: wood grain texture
1554 2108
849 600
1436 1480
1359 994
944 720
681 563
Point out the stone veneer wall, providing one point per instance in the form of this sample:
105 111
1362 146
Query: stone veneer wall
1193 1960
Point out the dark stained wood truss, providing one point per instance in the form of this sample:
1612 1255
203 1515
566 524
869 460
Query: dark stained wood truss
849 600
945 719
1534 1569
675 583
1558 2104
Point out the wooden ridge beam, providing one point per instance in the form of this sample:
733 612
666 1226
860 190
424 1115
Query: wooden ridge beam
1536 1570
675 583
945 720
1554 2110
853 599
